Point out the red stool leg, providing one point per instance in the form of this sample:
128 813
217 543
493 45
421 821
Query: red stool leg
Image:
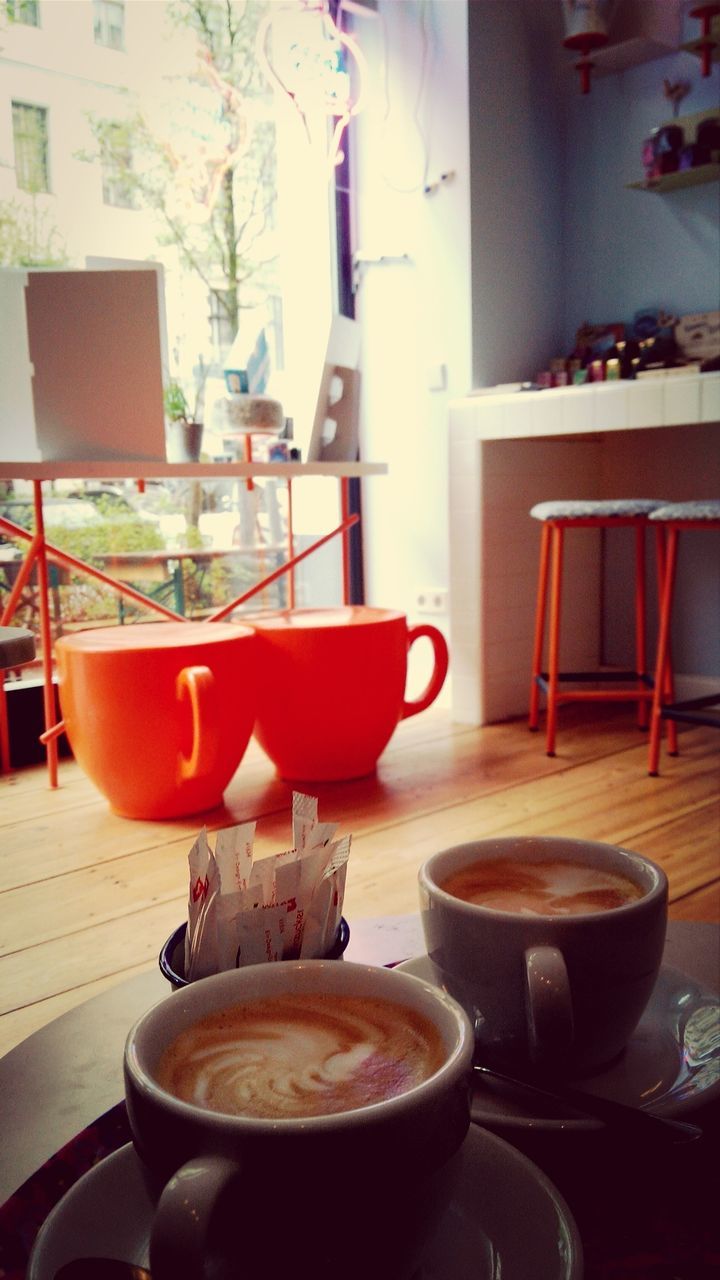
554 637
668 585
539 626
4 728
668 687
640 611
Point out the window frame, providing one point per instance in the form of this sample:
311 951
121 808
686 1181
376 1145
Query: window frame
102 26
42 162
25 13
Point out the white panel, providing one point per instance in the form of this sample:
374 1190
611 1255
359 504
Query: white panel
682 400
546 413
466 704
611 406
578 410
710 397
17 414
94 340
646 403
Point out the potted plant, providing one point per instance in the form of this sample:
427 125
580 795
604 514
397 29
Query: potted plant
185 435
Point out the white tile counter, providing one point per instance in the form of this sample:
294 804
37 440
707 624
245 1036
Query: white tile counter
657 437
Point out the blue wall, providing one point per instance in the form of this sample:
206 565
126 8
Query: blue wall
557 238
626 249
517 148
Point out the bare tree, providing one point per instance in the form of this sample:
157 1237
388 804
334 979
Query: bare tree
212 190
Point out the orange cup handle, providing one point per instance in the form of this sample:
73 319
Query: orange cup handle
198 684
439 672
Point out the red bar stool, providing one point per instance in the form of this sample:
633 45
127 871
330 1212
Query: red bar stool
671 518
556 517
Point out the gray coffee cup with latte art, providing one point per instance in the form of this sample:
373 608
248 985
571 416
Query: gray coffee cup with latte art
552 945
299 1118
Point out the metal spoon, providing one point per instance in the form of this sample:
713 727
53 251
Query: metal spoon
101 1269
617 1116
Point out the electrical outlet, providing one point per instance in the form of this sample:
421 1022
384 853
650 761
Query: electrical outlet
431 600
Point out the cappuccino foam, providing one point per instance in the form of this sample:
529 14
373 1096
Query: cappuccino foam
301 1055
549 887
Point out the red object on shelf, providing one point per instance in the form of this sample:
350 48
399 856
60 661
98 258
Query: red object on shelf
705 13
583 43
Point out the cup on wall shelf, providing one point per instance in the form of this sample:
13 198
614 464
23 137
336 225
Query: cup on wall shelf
332 687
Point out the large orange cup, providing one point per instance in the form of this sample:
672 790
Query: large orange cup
332 687
159 714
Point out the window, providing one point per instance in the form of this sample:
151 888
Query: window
117 185
109 23
25 11
30 136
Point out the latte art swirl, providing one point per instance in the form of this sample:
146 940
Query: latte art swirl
541 887
300 1055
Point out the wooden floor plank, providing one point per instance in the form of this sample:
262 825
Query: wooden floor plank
98 951
702 904
21 1023
417 770
88 898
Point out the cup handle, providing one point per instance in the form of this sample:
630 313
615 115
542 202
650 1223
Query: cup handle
441 659
548 1004
198 684
179 1239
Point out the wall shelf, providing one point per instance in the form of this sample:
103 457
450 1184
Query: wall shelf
640 31
698 45
694 177
683 178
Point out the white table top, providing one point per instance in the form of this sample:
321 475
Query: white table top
117 469
674 400
68 1073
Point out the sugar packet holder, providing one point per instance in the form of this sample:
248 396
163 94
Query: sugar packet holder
280 907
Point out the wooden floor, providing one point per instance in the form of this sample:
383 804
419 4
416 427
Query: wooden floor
87 898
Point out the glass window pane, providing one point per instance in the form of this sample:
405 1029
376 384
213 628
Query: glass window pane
109 23
199 165
30 139
23 11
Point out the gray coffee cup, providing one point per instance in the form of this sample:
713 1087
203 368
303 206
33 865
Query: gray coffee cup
356 1193
556 991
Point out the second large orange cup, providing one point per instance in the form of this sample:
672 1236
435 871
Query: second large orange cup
332 687
159 714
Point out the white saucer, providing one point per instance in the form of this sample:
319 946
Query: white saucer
107 1213
671 1065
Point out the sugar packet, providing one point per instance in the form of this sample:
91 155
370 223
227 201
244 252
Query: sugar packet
281 907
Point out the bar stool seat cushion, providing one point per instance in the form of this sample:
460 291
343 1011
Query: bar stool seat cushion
707 509
584 509
17 646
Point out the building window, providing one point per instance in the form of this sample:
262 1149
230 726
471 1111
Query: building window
222 327
25 11
30 136
117 183
109 23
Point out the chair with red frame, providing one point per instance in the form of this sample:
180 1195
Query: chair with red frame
672 519
556 518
